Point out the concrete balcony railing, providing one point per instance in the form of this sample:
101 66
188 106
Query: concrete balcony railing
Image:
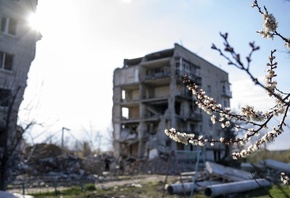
192 116
157 75
227 93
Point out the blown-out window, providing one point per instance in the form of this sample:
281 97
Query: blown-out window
6 61
8 25
5 97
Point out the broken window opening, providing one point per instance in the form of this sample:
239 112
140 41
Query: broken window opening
177 108
168 143
6 61
5 96
8 25
123 94
125 112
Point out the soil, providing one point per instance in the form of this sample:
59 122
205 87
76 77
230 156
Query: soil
139 179
139 186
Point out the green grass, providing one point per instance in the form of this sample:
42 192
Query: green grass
276 192
283 156
74 191
151 189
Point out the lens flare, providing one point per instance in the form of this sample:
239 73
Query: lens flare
33 21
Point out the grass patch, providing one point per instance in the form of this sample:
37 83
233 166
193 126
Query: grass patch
74 191
150 189
276 192
283 156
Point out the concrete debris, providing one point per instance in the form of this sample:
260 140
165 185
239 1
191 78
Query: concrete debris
5 194
179 188
55 163
250 167
48 162
276 165
225 181
136 185
227 173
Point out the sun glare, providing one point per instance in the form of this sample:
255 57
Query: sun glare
33 21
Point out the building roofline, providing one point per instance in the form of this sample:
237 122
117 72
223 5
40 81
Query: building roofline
169 52
178 45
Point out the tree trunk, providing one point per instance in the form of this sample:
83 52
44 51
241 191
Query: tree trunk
5 157
4 171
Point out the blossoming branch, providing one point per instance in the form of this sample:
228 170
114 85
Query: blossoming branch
255 120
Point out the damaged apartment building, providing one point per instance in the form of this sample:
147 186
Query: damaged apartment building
149 96
17 50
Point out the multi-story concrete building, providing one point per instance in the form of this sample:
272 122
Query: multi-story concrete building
149 96
17 51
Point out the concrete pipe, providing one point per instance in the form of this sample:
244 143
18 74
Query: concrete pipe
235 187
180 188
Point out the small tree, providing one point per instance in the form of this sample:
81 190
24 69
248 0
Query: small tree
254 120
11 135
86 149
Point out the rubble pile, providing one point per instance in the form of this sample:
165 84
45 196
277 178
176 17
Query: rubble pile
51 161
155 166
93 165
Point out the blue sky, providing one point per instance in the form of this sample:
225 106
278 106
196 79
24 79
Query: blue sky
70 80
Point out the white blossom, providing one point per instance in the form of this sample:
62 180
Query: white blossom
284 178
256 119
287 44
269 25
213 118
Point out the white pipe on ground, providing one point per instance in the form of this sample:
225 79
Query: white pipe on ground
180 188
280 166
228 173
235 187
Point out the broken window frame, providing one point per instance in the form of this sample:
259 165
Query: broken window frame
8 25
6 61
5 97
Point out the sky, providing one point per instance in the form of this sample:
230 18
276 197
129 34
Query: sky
70 80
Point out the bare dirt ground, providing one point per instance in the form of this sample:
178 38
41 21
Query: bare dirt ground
139 186
138 179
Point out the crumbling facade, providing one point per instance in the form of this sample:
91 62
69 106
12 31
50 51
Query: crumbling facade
17 51
149 96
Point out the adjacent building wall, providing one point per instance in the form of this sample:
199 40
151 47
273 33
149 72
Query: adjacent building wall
17 51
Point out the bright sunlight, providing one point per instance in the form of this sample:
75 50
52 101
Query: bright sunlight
33 21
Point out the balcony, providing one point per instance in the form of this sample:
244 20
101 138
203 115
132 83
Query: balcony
196 117
157 75
226 90
197 80
193 77
227 93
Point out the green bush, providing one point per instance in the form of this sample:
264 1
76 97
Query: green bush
91 187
